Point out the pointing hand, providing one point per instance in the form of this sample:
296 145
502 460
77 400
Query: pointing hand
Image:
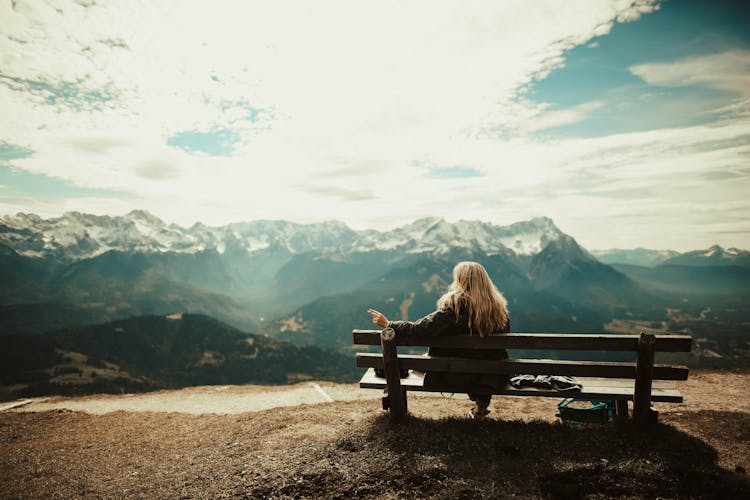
378 318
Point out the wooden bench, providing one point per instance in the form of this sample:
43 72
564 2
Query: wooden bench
618 381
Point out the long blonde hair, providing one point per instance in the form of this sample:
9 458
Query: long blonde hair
473 288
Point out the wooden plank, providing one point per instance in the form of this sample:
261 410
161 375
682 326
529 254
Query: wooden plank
521 366
602 392
623 382
644 374
540 341
396 397
415 382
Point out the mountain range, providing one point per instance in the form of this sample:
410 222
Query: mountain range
248 272
713 256
76 236
310 284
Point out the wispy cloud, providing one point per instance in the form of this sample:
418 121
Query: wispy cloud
726 71
530 117
157 170
94 144
337 192
350 167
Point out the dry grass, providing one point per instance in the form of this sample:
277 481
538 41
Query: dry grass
346 449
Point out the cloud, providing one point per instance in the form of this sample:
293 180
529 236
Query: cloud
314 84
529 117
728 71
96 144
338 192
350 167
635 10
157 170
327 110
63 94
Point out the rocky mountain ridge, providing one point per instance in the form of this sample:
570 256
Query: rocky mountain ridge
635 256
75 236
714 256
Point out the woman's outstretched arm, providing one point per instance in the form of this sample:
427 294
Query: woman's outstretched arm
434 324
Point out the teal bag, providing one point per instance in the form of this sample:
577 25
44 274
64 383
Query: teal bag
599 411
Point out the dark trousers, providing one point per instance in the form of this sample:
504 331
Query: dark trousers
482 400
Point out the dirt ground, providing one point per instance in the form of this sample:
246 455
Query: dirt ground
287 442
202 400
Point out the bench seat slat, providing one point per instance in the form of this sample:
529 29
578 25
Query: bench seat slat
592 388
522 366
543 341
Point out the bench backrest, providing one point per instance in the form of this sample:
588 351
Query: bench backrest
536 341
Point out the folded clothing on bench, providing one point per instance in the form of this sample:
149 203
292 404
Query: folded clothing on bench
557 382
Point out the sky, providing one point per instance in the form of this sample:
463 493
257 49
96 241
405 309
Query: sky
626 122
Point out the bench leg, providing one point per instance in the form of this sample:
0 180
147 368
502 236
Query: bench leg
642 413
386 402
621 410
396 394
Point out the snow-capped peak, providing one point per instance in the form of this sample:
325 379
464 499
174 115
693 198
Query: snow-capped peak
530 237
713 250
436 235
21 219
145 217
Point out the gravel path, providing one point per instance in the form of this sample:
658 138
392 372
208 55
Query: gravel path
203 400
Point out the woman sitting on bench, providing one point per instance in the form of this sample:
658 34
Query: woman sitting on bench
471 306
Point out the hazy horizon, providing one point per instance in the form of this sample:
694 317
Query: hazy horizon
627 123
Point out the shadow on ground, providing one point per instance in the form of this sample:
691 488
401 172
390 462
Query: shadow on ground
460 458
